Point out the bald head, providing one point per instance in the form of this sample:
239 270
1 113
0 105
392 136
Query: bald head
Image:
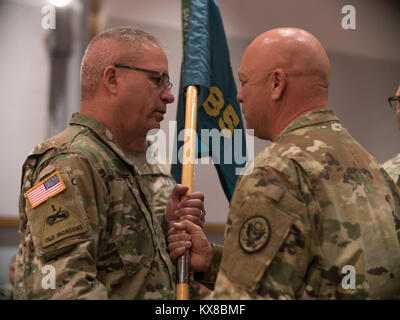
284 74
108 48
296 51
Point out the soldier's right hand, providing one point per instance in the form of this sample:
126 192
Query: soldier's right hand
185 234
183 206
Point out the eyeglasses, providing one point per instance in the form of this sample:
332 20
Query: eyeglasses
394 102
163 80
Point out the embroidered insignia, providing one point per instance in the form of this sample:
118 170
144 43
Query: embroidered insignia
57 216
60 223
48 188
254 234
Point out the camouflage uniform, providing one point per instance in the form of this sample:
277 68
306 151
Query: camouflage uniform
315 210
6 292
105 233
392 167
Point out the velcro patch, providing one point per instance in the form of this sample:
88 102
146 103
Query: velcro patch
48 188
273 192
60 223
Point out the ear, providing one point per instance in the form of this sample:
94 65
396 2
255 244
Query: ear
110 78
278 84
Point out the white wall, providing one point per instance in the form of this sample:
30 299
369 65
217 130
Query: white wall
23 94
359 90
24 90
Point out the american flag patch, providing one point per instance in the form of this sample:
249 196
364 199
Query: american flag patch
45 189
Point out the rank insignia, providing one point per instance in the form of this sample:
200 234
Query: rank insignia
46 189
254 234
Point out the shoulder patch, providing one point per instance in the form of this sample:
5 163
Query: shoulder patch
47 188
60 223
254 234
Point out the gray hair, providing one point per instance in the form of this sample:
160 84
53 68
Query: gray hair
101 53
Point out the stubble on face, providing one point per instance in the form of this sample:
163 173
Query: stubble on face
140 107
146 108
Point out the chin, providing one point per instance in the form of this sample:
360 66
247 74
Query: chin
154 125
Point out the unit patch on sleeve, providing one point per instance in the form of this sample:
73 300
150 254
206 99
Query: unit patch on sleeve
254 234
60 223
48 188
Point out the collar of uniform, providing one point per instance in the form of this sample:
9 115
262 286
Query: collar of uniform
140 160
309 119
102 132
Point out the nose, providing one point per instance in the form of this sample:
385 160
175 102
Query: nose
167 96
239 96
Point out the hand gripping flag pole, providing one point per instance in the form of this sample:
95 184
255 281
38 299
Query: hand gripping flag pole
189 152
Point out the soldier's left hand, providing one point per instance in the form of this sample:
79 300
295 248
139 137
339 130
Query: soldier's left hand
191 207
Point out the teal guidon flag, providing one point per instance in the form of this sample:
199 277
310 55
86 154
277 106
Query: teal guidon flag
206 64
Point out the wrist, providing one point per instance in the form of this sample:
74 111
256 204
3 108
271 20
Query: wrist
209 256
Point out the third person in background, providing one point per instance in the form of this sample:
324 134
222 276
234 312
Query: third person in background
392 166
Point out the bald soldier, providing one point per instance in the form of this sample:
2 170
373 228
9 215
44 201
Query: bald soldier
315 218
392 166
93 210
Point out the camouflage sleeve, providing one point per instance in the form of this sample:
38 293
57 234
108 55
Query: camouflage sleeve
6 292
392 167
267 241
198 291
18 272
208 279
63 232
161 196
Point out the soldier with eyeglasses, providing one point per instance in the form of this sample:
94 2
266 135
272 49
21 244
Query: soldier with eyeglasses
392 166
92 207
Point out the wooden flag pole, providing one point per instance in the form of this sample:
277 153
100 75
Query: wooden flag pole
189 154
94 18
